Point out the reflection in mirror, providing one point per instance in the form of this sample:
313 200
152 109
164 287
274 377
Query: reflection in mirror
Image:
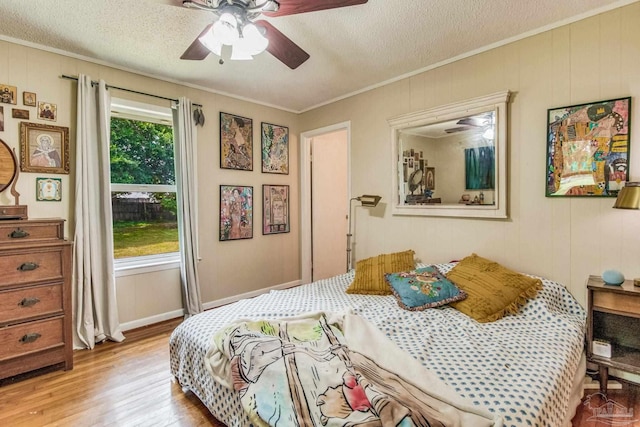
7 166
463 145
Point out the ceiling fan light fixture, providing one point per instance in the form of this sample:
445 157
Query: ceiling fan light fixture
210 41
239 51
253 39
225 29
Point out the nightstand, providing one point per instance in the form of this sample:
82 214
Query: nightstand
613 317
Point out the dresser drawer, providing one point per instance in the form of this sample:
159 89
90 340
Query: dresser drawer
30 266
12 232
31 337
26 303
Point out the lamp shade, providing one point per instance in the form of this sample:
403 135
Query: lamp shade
629 196
369 200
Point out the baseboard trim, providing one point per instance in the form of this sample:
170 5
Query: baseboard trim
139 323
229 300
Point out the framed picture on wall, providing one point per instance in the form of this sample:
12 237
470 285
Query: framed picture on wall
236 212
236 142
275 209
588 149
430 179
8 94
479 168
275 149
29 99
47 111
44 148
49 189
18 113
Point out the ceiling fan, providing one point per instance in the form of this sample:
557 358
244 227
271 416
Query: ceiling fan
237 25
481 121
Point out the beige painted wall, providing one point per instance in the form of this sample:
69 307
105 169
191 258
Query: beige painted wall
565 239
227 268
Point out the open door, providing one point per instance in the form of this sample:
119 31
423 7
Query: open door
324 201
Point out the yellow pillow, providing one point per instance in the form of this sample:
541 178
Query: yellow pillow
492 290
369 279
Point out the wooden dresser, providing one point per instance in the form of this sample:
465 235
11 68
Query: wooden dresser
35 296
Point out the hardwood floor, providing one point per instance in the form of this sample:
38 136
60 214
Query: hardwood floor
623 402
126 384
129 384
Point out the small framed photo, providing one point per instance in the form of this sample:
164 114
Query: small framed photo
48 189
236 142
236 212
17 113
275 149
29 99
47 111
1 118
8 94
275 205
44 148
430 179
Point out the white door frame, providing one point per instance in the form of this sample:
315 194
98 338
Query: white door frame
305 190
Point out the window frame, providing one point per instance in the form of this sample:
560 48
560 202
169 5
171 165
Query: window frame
132 110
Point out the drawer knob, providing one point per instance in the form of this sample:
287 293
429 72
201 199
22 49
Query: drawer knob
28 302
18 234
28 338
28 266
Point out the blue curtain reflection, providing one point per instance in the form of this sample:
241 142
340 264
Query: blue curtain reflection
479 168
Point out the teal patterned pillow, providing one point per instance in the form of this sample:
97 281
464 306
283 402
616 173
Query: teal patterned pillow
423 288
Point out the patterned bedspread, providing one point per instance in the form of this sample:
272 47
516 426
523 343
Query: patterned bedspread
333 370
520 367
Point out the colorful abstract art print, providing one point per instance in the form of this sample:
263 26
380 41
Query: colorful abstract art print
588 149
236 142
236 212
275 149
275 214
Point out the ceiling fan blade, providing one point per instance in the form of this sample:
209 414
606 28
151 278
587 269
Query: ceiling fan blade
469 121
457 129
282 47
292 7
197 51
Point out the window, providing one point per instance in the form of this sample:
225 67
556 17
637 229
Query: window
143 190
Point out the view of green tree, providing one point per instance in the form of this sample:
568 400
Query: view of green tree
141 152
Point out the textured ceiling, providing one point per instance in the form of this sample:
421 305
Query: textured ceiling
351 48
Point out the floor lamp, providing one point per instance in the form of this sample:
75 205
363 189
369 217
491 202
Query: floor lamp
368 201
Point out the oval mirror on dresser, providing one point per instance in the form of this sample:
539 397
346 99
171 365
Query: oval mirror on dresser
8 166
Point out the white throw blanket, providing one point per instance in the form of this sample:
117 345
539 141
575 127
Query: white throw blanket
332 369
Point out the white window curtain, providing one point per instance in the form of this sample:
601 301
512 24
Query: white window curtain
96 309
185 148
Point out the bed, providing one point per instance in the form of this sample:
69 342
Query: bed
527 368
